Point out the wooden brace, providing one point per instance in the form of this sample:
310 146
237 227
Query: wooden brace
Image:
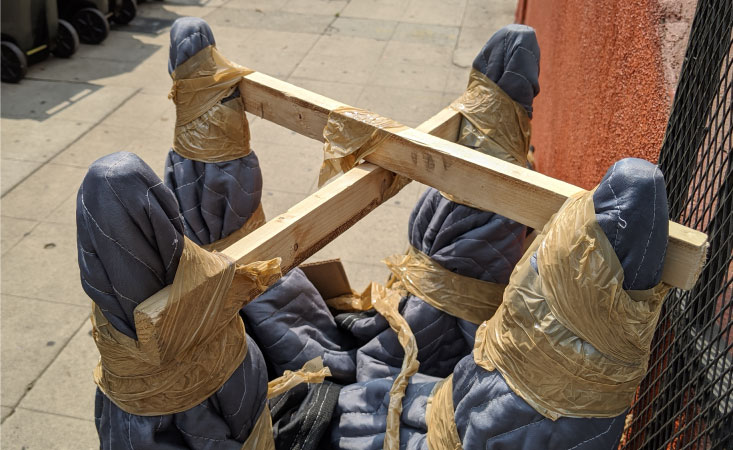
427 154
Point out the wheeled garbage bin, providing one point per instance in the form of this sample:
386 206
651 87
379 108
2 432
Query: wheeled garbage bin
30 30
91 18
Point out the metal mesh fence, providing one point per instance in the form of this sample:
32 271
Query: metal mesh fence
686 399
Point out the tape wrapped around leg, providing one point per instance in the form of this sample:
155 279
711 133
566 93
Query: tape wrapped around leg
188 343
568 338
350 135
208 129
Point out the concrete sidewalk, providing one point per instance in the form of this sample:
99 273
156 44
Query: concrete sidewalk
405 59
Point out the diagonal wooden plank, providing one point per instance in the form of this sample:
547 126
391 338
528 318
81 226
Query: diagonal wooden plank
315 221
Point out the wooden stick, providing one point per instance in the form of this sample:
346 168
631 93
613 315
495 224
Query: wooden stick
314 222
490 183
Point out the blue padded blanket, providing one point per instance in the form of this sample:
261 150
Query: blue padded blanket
631 207
292 324
216 199
290 321
464 240
129 240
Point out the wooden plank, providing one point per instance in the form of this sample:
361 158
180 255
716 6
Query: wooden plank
287 105
318 219
515 192
306 112
301 231
314 222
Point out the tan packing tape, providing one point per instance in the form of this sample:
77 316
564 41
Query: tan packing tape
350 135
440 418
207 130
261 437
312 371
365 300
386 302
185 351
352 302
464 297
497 125
570 341
415 272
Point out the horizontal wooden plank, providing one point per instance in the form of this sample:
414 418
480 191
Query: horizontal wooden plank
287 105
515 192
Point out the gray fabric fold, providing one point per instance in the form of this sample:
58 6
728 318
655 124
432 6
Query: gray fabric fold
631 208
301 416
360 418
216 199
511 59
188 36
128 228
293 325
489 415
129 244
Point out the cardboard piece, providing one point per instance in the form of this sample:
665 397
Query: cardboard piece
329 278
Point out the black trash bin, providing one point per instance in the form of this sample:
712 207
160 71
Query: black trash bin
91 17
30 30
123 11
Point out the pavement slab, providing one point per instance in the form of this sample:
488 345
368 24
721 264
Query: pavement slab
376 9
422 54
426 33
13 172
43 265
275 162
407 106
48 186
410 76
14 230
38 141
64 387
274 52
405 59
102 140
36 430
344 92
438 12
270 20
320 7
45 327
381 30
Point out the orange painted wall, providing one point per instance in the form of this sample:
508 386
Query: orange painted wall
603 94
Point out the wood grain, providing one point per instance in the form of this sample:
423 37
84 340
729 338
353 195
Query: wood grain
490 183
